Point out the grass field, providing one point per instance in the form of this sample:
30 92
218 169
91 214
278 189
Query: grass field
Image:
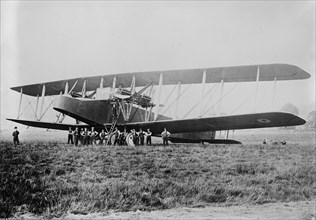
51 178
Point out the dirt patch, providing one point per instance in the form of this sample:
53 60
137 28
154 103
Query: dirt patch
292 210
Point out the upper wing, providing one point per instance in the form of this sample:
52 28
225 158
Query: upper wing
258 120
268 72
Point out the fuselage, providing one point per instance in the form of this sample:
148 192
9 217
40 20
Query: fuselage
99 111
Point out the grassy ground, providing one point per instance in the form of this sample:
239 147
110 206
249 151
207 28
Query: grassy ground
51 178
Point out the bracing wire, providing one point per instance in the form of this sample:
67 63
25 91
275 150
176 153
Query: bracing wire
243 102
211 100
30 104
167 98
194 106
46 109
178 97
218 101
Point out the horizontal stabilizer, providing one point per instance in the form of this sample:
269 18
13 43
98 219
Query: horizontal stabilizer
268 72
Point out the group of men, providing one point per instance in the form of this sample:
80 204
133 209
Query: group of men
92 137
86 137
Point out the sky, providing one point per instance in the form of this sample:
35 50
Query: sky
53 40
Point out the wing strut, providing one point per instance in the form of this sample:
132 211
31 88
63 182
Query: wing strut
58 116
37 101
73 87
101 82
227 132
220 103
42 104
211 103
66 88
256 94
84 89
177 101
202 94
221 97
21 95
153 90
159 95
112 91
274 90
147 114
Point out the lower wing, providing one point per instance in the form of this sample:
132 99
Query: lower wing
49 125
234 122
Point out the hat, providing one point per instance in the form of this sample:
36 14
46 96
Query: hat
15 127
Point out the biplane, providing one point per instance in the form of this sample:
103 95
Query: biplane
126 101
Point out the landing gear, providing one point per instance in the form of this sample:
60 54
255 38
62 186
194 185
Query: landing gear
129 140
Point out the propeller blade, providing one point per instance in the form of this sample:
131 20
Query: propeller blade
92 94
133 86
119 96
144 89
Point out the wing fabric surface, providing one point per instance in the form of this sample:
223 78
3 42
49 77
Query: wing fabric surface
259 120
49 125
268 72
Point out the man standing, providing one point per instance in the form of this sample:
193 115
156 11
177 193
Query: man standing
85 136
93 136
123 137
141 135
165 135
103 137
15 135
148 137
116 133
134 136
70 136
76 135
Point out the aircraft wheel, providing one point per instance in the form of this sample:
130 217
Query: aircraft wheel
129 140
112 139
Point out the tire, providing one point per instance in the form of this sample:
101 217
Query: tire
129 140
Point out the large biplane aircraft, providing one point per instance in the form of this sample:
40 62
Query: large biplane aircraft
126 101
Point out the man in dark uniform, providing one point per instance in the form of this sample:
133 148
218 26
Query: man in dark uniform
135 138
141 136
123 137
148 137
15 135
76 135
85 136
70 136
